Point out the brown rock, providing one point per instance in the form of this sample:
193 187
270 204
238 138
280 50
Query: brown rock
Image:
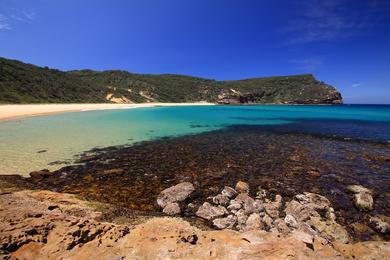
242 187
363 201
229 192
223 223
42 174
254 222
221 200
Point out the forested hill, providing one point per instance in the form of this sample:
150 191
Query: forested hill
26 83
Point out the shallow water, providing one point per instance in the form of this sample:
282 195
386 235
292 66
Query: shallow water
32 143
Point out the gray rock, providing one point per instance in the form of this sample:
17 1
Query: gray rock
247 202
261 194
379 225
172 209
229 192
282 227
241 217
254 222
209 212
363 201
267 220
259 206
314 201
221 200
242 187
223 223
175 193
300 212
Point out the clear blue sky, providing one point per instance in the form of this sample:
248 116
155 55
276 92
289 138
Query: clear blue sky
343 42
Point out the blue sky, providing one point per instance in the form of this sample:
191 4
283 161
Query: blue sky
345 43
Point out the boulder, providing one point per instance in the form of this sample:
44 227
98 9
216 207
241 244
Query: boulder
221 200
229 192
176 193
267 220
242 187
281 226
379 225
247 202
300 212
290 221
209 212
172 209
241 217
234 205
254 222
363 201
223 223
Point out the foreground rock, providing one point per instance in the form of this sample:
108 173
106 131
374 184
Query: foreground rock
48 225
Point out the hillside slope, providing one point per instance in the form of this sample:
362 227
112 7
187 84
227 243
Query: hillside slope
26 83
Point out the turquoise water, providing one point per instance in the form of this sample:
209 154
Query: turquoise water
63 136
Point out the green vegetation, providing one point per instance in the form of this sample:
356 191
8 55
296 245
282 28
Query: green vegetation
26 83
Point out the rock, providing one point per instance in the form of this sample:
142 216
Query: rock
272 208
281 226
247 202
315 201
172 209
221 200
229 192
209 212
379 225
302 236
241 217
330 230
300 212
242 187
261 194
330 215
223 223
42 174
259 206
254 222
290 221
234 205
358 189
363 201
267 220
175 193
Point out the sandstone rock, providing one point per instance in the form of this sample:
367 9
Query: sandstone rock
223 223
363 201
379 225
290 221
172 209
176 193
259 206
254 222
242 187
358 189
229 192
221 200
314 201
302 236
330 230
209 212
241 217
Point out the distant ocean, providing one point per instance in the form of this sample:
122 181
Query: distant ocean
32 143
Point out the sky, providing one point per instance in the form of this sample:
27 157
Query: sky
345 43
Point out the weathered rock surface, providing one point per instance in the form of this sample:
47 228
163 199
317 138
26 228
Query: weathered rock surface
47 225
379 225
176 193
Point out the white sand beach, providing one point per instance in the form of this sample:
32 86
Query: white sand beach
8 112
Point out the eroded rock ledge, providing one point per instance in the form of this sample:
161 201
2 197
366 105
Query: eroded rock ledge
49 225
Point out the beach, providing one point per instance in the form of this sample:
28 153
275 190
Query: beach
8 112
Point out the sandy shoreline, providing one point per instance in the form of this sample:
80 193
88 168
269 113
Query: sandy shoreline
14 111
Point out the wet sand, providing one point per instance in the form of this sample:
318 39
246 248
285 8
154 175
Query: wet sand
8 112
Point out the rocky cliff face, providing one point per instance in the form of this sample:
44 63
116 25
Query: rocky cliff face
26 83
